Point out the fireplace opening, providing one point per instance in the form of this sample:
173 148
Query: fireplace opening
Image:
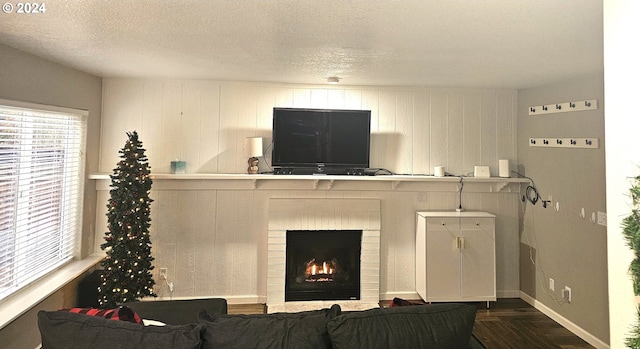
322 265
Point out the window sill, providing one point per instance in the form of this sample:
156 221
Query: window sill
19 303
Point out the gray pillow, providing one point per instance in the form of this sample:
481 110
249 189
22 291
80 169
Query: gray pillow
65 330
303 330
436 326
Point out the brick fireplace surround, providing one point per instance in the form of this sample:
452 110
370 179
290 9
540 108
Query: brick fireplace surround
323 214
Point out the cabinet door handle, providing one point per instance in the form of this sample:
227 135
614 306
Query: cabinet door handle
459 243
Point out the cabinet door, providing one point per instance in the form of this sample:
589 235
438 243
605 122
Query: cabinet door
443 259
478 258
421 256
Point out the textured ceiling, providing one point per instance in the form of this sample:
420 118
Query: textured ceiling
462 43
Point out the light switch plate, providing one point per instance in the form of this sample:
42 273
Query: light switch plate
481 172
602 218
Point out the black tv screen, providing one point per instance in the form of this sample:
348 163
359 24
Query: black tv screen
330 138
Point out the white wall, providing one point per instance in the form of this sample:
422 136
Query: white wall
622 72
214 241
205 122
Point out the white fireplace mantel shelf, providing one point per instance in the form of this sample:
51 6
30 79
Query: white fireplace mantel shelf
218 181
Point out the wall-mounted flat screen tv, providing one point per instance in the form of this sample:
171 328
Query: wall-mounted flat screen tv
317 138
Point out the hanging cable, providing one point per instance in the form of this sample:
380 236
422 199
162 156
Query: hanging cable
264 157
531 193
460 198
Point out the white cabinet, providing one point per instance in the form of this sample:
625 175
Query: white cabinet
455 256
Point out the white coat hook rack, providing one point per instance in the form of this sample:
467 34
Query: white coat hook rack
551 142
589 104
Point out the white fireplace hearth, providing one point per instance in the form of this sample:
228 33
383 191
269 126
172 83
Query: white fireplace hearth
323 214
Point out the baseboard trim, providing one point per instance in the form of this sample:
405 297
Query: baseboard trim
575 329
385 296
244 299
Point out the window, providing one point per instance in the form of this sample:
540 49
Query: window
41 170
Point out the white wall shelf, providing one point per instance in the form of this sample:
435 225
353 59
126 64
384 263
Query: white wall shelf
216 181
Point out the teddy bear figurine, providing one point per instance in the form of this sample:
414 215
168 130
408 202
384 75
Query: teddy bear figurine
253 165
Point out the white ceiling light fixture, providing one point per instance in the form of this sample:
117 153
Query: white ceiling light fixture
333 79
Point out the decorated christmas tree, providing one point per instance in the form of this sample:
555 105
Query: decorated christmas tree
631 233
126 274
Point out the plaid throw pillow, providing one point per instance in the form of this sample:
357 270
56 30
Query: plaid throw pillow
122 313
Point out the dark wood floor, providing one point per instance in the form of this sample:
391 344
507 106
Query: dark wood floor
513 323
508 324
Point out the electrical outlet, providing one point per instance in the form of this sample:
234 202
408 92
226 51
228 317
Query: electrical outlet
566 294
548 202
552 284
163 273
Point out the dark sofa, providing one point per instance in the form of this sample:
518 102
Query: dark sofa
205 324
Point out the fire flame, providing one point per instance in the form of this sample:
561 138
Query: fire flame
326 270
319 271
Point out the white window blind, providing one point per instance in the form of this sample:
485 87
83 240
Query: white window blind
41 169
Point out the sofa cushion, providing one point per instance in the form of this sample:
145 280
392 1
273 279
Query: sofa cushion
122 313
178 312
445 326
66 330
303 330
